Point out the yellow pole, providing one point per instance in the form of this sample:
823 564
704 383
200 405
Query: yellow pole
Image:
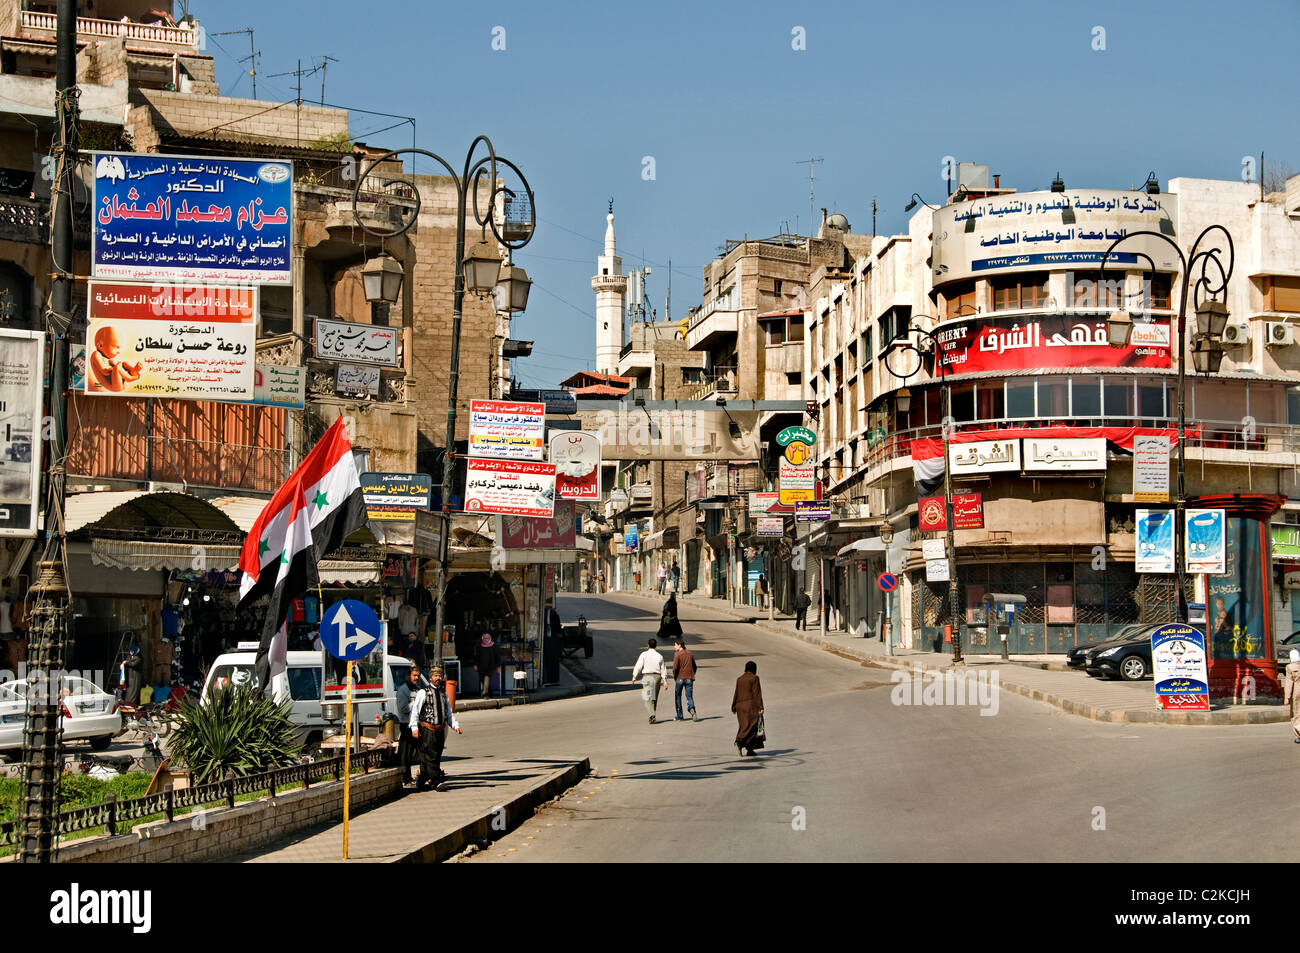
347 762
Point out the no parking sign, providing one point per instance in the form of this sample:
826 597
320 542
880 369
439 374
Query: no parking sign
887 582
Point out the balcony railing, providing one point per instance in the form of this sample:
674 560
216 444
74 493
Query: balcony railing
88 26
723 382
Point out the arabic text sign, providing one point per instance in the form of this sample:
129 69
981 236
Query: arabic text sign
507 430
1151 469
279 386
356 343
396 496
1025 231
999 344
771 526
812 511
761 504
357 379
1065 454
534 532
1178 664
1154 541
509 487
1206 542
967 512
985 456
191 218
576 455
194 342
22 357
797 483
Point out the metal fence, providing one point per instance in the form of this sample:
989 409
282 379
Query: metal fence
112 814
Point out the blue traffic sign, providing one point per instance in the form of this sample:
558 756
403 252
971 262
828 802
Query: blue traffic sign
350 630
887 581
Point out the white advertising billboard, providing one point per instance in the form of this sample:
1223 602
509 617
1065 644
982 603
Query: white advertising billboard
22 359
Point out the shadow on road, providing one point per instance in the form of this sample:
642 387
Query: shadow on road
780 758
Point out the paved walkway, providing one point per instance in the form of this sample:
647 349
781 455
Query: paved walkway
484 798
570 685
1041 677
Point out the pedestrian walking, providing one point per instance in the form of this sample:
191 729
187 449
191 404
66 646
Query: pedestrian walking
406 747
684 679
669 625
1291 691
129 675
430 715
487 659
762 590
801 603
662 578
649 670
674 577
584 577
600 580
747 706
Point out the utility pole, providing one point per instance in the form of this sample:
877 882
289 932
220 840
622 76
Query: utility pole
811 164
42 738
873 216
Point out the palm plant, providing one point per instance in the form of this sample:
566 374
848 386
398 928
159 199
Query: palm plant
236 732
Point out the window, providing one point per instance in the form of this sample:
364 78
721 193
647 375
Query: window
1158 291
1085 397
794 378
959 299
1118 398
305 684
1092 289
1053 397
1011 294
990 402
775 333
1151 399
776 287
692 375
795 332
963 403
1020 399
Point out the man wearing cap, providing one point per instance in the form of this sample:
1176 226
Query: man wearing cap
431 714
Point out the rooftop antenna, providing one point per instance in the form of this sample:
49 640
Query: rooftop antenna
253 54
323 64
299 73
811 164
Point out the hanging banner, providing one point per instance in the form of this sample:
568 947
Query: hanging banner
507 430
993 344
763 504
967 512
279 386
797 482
355 343
1206 542
192 342
509 487
1151 468
22 359
1154 541
396 496
631 537
812 511
576 455
1179 667
192 218
533 532
771 526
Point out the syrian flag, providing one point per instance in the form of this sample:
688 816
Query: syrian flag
317 508
927 465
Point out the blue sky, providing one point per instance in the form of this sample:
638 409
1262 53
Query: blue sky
727 107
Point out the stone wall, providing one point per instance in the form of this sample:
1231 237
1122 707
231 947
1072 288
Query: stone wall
183 114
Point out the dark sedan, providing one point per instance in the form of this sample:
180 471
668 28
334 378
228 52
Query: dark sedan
1128 658
1077 657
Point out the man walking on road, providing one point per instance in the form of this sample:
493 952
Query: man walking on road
430 715
662 577
649 670
801 603
684 676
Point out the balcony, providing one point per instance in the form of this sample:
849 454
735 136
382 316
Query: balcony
633 361
173 38
384 202
709 326
723 382
28 220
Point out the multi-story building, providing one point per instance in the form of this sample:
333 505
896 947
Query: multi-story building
1045 411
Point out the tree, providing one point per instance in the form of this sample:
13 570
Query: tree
1275 176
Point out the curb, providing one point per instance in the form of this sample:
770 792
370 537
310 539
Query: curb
517 810
513 701
1238 715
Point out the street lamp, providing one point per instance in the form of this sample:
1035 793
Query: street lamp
381 280
902 403
1207 351
480 270
510 294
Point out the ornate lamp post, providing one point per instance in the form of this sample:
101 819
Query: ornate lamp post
483 271
1207 351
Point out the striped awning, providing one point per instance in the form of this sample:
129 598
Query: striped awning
150 555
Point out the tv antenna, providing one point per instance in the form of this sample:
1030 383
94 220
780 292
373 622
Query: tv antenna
811 164
253 54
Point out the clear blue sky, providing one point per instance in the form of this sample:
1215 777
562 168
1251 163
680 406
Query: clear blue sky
727 108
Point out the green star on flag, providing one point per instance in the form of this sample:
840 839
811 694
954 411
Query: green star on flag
320 500
262 546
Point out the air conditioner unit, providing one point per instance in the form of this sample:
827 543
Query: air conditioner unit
1235 335
1280 334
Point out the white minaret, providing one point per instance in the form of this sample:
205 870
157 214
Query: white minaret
610 285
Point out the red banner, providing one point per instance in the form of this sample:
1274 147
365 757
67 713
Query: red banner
967 512
1056 340
538 532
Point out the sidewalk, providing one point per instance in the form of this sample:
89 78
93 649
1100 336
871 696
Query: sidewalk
1043 678
485 799
570 685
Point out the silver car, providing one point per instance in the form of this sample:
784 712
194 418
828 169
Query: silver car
88 713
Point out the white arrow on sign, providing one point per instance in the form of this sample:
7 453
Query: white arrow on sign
358 638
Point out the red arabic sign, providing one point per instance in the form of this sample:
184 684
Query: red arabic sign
967 512
1057 340
531 532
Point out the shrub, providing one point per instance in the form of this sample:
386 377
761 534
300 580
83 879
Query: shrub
236 733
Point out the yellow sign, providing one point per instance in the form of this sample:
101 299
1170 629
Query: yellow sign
797 453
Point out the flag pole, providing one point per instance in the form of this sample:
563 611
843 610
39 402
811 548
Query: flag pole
347 762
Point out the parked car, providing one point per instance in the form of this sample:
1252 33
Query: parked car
1128 657
1077 657
87 713
1284 647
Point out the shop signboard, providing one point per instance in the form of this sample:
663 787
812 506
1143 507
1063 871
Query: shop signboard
396 496
936 560
812 511
1286 542
985 456
192 219
427 541
797 482
279 386
353 343
576 455
507 430
631 537
509 487
796 434
1179 667
22 359
981 344
967 512
539 532
1151 468
1154 541
771 526
762 504
356 379
1206 542
192 342
1064 455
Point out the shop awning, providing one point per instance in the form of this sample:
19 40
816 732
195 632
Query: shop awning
349 572
861 547
141 510
242 510
150 555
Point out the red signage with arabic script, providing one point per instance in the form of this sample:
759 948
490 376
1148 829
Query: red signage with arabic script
967 512
538 532
1057 340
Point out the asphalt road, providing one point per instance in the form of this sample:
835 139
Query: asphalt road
849 775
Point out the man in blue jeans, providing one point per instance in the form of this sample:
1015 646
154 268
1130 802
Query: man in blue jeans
684 676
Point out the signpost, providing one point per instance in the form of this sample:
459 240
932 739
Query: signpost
887 582
1179 667
349 631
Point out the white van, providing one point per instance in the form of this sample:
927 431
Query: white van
301 682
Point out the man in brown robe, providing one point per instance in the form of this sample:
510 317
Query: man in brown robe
747 705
